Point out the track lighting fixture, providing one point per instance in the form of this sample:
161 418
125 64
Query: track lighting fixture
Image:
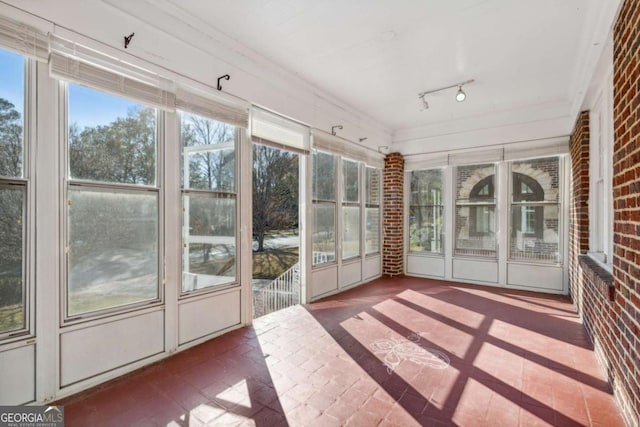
460 95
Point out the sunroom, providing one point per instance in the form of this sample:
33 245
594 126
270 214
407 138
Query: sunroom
176 174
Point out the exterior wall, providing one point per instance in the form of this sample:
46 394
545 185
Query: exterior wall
393 215
610 304
626 196
578 203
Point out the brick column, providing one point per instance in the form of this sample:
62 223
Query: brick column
393 215
578 203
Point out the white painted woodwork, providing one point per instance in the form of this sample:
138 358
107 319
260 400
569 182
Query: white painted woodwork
475 270
95 349
324 280
430 266
351 273
372 267
541 277
17 375
198 317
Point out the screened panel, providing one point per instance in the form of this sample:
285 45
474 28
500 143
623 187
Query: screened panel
426 209
324 176
111 139
12 72
373 185
324 227
208 154
372 230
475 231
209 241
535 210
426 187
350 188
112 249
350 231
12 269
425 229
475 214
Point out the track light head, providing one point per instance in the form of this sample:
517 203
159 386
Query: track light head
460 96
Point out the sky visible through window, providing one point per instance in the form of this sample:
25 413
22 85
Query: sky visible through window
87 107
12 79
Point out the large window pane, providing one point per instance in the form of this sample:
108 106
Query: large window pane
209 242
111 139
372 231
113 249
535 210
373 182
12 202
372 211
475 218
425 229
324 226
526 243
350 231
324 176
350 181
209 155
11 114
426 211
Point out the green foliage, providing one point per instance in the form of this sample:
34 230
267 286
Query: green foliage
11 219
275 191
123 151
10 140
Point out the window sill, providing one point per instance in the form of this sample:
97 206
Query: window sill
426 254
599 258
599 275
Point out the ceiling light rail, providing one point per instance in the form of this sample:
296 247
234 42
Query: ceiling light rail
460 94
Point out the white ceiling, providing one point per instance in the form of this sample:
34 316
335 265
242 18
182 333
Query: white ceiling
526 57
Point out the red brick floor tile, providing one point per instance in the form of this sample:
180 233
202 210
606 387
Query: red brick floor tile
535 415
398 416
512 358
364 418
341 409
303 415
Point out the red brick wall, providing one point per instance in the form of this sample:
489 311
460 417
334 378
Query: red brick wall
610 305
393 215
626 194
578 203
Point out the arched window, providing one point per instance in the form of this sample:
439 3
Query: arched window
482 218
529 220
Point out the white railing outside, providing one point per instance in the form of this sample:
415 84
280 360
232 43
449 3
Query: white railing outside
282 292
320 257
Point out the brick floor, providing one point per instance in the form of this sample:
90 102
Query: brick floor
395 352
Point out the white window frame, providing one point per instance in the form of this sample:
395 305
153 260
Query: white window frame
26 182
371 206
351 204
441 204
336 237
214 194
70 183
601 175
